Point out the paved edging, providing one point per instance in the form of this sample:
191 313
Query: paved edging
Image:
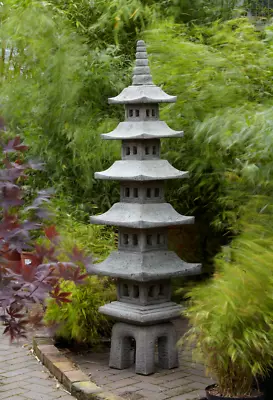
72 378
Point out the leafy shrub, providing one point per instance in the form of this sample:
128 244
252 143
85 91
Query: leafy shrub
80 319
260 8
199 11
109 22
23 285
231 316
96 240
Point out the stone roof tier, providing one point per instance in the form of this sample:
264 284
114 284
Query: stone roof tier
145 266
142 130
141 170
142 216
142 94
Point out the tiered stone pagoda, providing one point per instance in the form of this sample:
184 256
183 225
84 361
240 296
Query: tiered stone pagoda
142 264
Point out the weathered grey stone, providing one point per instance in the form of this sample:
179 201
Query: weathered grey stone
143 90
142 130
148 112
146 170
142 75
141 43
142 265
141 55
142 216
141 62
142 192
142 80
145 339
141 70
142 315
142 94
132 292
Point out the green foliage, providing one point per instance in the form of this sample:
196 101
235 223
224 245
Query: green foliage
80 320
199 11
108 22
222 75
96 240
231 315
59 104
260 8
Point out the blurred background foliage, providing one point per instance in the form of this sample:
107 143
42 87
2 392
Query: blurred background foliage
61 60
230 314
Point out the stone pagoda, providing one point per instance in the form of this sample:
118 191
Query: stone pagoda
142 265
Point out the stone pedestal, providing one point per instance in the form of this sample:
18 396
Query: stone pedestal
142 264
146 338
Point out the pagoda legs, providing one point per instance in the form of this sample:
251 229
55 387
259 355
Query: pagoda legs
120 355
146 338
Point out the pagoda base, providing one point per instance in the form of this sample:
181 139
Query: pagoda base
145 338
142 315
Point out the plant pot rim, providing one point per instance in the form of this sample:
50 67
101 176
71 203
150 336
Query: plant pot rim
258 396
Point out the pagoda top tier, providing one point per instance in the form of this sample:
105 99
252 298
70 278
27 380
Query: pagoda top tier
142 89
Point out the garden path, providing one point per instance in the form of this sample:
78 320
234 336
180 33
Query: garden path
23 377
184 383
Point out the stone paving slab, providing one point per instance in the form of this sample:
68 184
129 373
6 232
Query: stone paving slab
184 383
23 377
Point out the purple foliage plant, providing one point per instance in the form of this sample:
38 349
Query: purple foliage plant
23 286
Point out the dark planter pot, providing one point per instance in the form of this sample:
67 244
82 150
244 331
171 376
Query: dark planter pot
13 258
266 386
216 397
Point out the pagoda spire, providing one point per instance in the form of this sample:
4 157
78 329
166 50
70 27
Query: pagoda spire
142 74
142 90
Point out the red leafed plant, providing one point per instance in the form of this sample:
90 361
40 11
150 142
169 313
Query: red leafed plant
23 285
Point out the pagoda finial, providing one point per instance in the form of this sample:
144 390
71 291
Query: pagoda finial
141 73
